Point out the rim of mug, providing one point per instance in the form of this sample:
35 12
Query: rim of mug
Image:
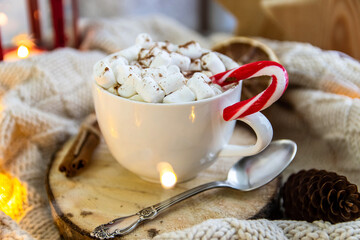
225 93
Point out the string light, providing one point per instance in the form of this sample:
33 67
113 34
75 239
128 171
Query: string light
12 196
23 51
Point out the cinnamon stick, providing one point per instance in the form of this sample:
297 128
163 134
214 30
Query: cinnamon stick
81 150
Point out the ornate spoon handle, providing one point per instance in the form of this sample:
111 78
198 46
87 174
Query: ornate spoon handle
124 225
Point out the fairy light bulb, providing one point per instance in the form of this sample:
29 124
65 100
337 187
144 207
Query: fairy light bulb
6 189
12 196
23 51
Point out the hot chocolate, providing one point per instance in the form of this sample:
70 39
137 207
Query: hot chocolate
162 72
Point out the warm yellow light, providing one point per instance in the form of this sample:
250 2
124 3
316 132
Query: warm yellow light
6 189
192 115
3 19
167 175
168 179
23 51
12 196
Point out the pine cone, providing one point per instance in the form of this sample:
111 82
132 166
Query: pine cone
320 195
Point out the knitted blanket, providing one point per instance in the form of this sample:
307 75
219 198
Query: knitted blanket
44 99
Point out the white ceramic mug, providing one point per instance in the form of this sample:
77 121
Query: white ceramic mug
188 136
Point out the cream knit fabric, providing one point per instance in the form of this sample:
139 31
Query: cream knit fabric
43 100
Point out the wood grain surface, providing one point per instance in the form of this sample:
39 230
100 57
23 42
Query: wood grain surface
105 190
328 24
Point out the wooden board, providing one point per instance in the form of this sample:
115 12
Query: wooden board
105 190
329 24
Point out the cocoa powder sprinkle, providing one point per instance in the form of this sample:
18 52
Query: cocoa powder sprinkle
189 74
186 45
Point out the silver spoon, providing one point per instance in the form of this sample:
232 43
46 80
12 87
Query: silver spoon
247 174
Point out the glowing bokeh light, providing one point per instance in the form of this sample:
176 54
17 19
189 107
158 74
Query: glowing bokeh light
23 51
168 177
3 19
12 196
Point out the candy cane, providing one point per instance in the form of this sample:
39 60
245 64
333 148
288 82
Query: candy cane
272 93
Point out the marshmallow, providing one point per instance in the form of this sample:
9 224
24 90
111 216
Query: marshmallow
113 89
103 74
195 65
144 58
144 41
228 62
155 73
173 69
184 94
145 62
127 89
181 61
204 51
161 59
213 63
172 47
130 53
167 46
136 69
208 74
115 59
171 82
217 88
135 64
144 53
137 97
115 62
149 53
155 51
200 87
161 45
124 71
191 49
203 76
149 90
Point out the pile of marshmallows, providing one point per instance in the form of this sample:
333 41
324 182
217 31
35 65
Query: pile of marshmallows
162 72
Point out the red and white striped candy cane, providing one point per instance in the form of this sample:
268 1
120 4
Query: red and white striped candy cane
271 94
